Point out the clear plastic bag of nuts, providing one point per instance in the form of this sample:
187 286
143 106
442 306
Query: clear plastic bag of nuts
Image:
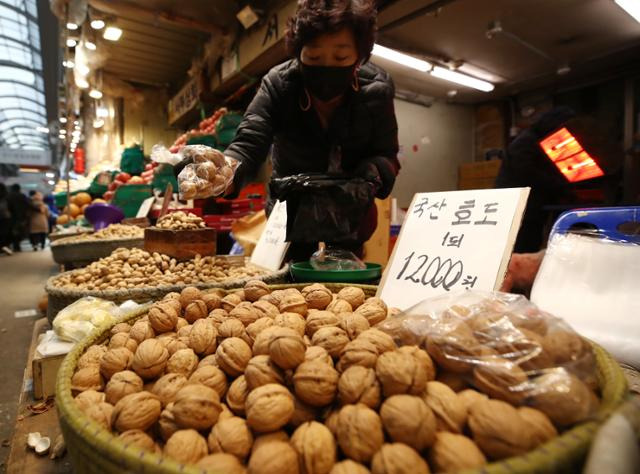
208 174
506 347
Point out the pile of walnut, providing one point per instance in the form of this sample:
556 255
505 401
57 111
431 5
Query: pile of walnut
180 221
112 232
136 268
294 382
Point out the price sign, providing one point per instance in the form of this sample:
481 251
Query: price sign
453 241
271 247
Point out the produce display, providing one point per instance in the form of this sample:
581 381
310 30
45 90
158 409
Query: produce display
111 232
74 211
290 381
136 268
209 175
205 127
124 179
180 220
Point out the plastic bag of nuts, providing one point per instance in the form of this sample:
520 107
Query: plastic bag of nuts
209 174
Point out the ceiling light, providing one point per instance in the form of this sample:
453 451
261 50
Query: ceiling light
97 123
63 120
112 33
97 24
102 112
71 43
63 132
475 71
462 79
400 58
82 83
72 26
42 129
50 175
51 182
62 137
95 94
68 64
632 7
75 122
75 133
83 69
90 45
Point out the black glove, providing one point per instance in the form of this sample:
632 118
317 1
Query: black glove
180 166
380 172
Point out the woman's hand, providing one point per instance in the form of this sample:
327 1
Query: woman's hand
522 271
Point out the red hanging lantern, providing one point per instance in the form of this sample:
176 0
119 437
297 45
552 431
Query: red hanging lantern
79 161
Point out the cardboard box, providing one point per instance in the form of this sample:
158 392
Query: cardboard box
45 371
479 169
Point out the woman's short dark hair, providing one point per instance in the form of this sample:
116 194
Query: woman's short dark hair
315 17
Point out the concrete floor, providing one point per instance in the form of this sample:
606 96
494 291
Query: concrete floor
22 279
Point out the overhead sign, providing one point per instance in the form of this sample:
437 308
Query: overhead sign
186 99
13 156
271 247
453 241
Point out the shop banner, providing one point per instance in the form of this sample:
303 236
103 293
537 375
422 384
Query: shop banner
453 241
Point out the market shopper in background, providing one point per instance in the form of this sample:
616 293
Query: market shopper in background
19 207
38 221
5 221
327 110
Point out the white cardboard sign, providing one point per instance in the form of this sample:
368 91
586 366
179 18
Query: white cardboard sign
271 247
453 241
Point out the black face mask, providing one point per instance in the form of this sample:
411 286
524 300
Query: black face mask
327 82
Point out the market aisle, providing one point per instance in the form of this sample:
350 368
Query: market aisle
22 279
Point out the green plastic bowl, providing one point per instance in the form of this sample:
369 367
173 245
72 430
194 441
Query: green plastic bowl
303 271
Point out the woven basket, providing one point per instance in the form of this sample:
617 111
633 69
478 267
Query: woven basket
80 254
94 450
60 298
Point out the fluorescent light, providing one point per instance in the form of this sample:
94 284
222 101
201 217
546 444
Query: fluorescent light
462 79
112 33
63 120
68 64
51 182
90 45
50 175
75 133
71 43
97 24
102 112
83 69
76 122
97 123
400 58
82 83
632 7
95 94
42 129
63 132
72 26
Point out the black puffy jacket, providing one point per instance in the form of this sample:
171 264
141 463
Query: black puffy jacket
362 130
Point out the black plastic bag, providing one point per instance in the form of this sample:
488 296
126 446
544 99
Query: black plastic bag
322 207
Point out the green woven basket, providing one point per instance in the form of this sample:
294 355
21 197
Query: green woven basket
94 450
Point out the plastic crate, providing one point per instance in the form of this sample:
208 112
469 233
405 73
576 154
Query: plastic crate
129 197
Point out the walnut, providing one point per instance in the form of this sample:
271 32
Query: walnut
381 340
163 317
255 289
333 339
202 338
456 382
358 352
137 411
316 383
230 301
563 397
338 306
195 310
221 462
261 370
450 413
564 346
319 319
212 300
372 312
168 386
257 327
115 360
315 446
331 418
276 456
274 297
212 377
455 349
469 396
196 406
501 379
398 458
183 362
286 348
231 436
237 395
150 359
400 372
120 327
353 324
189 295
293 303
138 438
225 413
88 398
532 356
208 360
359 385
302 413
167 423
317 296
184 331
245 313
423 360
174 345
88 378
232 327
353 295
407 419
318 353
359 432
498 429
374 300
261 343
142 330
291 320
539 426
349 467
233 355
173 300
263 439
186 446
122 384
218 316
453 452
269 407
91 356
123 339
101 413
267 308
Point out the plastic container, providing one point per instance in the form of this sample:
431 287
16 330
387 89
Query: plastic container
303 271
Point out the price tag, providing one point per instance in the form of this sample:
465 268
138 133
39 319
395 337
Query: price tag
145 207
271 247
453 241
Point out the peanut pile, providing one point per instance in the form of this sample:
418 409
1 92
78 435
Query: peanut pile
291 381
136 268
180 221
113 231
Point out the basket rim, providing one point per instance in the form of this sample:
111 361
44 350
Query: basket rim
611 380
59 243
